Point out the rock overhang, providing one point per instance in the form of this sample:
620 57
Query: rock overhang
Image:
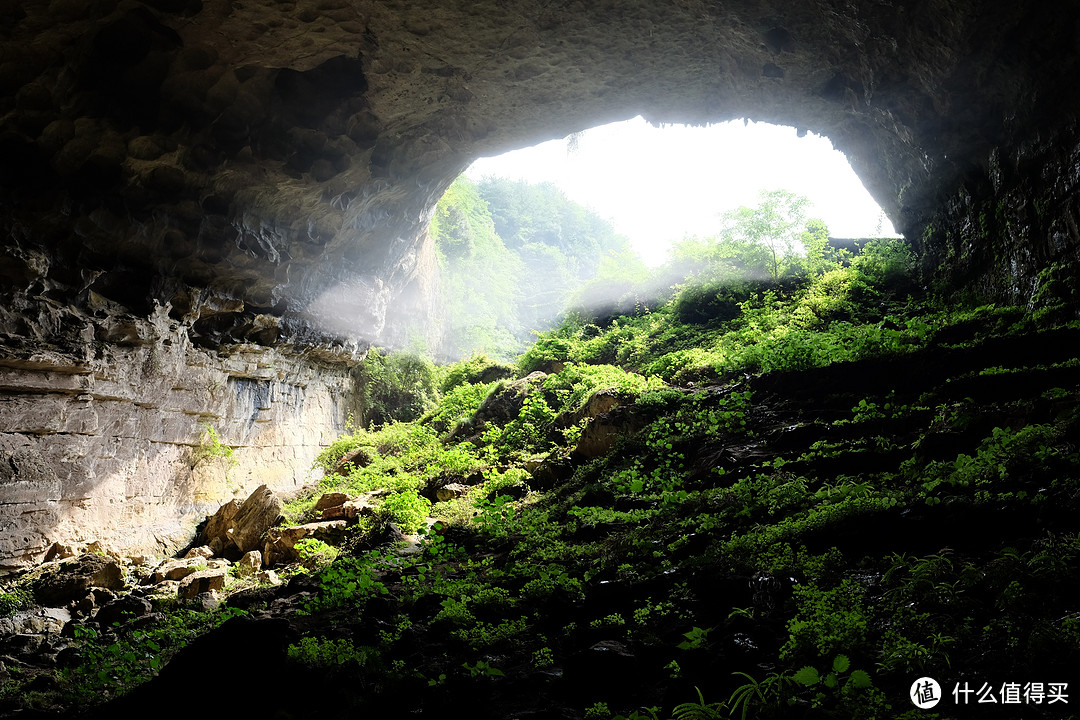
284 156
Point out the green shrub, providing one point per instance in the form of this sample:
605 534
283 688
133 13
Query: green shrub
458 405
886 263
348 582
15 600
323 653
330 456
659 400
466 372
211 447
549 348
394 387
407 509
498 483
707 303
526 434
576 383
314 553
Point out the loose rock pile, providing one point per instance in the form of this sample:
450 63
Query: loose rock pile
97 590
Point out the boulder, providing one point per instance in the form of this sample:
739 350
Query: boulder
167 589
281 542
258 513
331 500
216 533
207 601
203 551
599 403
555 470
268 577
451 491
62 582
504 404
178 569
515 491
203 581
349 510
123 609
84 606
60 551
35 622
601 434
357 457
249 565
96 548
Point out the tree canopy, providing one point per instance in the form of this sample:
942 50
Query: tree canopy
515 258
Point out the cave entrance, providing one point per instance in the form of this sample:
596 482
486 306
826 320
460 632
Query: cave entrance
659 184
584 226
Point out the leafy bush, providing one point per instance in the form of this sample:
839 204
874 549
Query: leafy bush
348 582
395 386
324 653
407 509
458 405
887 263
211 447
708 302
576 383
15 600
549 349
314 553
659 400
525 434
499 483
828 621
469 371
330 456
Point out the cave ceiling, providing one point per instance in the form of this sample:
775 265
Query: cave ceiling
242 160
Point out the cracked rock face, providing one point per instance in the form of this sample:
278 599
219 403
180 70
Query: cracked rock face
233 194
110 441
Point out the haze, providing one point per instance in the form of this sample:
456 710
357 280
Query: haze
658 185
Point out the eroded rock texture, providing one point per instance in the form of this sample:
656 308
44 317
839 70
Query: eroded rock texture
208 203
108 440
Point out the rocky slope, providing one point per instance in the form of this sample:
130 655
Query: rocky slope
893 516
262 173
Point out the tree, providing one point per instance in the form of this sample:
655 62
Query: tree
774 224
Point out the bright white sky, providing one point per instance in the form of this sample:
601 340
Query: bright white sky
658 185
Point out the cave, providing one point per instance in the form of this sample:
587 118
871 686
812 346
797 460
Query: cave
212 208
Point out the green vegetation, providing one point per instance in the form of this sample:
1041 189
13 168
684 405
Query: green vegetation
15 600
778 496
394 386
840 607
108 662
212 448
510 255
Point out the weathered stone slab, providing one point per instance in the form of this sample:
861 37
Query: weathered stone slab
258 513
62 582
203 581
178 569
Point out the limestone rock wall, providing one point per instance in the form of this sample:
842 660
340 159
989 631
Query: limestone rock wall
108 441
1013 228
